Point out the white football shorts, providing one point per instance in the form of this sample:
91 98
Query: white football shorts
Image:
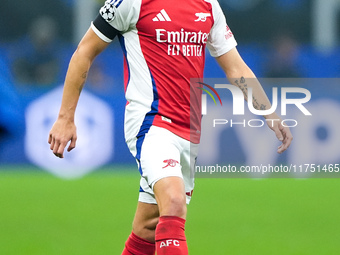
159 154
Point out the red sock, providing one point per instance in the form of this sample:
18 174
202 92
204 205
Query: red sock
170 237
138 246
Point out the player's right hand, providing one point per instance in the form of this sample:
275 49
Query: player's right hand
283 134
61 133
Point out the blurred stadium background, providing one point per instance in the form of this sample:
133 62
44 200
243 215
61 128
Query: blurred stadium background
85 203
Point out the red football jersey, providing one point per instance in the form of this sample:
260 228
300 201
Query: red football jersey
164 47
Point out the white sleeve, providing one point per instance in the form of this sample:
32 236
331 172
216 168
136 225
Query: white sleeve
118 14
221 39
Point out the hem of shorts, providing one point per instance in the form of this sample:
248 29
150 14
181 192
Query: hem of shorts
150 199
146 198
152 184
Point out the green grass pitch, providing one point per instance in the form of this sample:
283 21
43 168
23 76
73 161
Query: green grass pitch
43 215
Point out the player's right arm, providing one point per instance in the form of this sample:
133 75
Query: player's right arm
64 129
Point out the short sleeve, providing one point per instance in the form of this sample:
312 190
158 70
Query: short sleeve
116 16
221 39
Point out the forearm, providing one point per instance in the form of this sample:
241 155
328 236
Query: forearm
74 83
89 47
245 79
240 75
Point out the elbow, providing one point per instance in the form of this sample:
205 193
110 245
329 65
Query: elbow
233 73
81 55
237 72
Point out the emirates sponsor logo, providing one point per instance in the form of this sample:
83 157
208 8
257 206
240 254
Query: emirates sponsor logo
164 36
188 44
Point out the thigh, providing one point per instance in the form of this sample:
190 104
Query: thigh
161 154
158 156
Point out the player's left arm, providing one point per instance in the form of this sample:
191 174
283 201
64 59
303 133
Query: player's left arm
240 75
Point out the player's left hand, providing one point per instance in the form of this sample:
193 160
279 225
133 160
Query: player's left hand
283 134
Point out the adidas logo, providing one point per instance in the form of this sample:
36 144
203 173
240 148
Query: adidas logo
162 16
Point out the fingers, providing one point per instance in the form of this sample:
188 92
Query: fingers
278 132
58 148
51 141
50 138
286 141
62 132
58 145
283 134
59 151
72 144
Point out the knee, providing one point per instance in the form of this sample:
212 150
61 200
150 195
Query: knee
175 205
170 196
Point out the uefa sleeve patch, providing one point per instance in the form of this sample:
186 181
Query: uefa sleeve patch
108 11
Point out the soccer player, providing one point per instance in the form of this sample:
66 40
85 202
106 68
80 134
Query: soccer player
164 46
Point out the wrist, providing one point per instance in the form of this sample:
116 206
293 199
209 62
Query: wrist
272 116
66 116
